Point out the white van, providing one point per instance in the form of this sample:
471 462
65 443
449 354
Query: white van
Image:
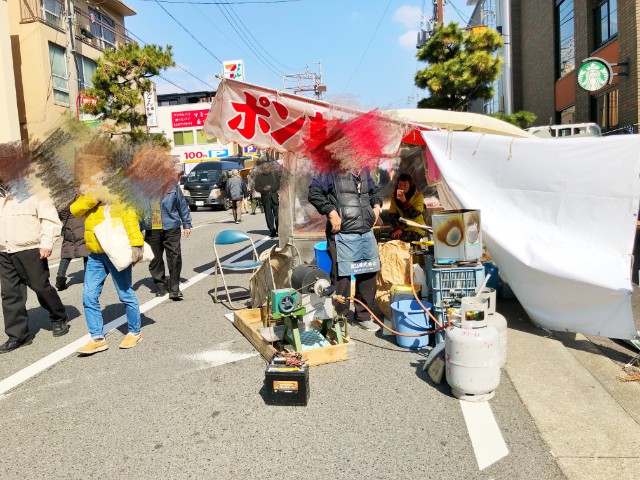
568 130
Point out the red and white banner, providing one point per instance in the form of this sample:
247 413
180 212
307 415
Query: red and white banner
252 115
188 118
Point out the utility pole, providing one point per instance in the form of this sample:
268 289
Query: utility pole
305 82
437 18
440 11
72 59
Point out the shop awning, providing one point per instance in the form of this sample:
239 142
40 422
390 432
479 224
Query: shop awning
558 217
457 121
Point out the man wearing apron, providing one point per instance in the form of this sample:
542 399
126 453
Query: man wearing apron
352 204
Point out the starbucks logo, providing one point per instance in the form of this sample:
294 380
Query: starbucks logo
593 75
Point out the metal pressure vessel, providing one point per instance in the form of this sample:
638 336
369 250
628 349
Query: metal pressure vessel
472 359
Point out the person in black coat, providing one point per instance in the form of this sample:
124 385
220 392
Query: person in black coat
73 245
352 203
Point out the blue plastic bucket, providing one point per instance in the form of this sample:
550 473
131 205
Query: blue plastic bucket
490 269
410 317
323 261
322 257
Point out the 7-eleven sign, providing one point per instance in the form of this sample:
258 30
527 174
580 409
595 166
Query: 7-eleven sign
234 69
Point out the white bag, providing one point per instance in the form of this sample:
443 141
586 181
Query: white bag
147 254
114 240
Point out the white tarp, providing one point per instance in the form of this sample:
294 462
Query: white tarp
558 217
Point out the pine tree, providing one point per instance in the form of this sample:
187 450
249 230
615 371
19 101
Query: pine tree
462 67
119 83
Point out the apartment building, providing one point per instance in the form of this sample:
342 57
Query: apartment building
576 61
54 48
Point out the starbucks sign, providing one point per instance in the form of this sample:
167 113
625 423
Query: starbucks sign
594 74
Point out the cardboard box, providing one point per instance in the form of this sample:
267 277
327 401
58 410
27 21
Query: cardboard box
457 235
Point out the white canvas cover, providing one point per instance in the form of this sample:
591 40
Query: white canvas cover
558 217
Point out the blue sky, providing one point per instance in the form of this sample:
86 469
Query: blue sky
286 36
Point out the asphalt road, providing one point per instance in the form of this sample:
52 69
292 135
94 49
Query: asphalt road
187 402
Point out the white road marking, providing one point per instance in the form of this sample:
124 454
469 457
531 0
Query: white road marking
62 353
55 265
486 438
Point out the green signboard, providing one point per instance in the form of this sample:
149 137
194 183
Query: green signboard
594 74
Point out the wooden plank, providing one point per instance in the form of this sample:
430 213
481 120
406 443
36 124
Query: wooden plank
248 322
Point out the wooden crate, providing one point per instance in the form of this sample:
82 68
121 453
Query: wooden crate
248 322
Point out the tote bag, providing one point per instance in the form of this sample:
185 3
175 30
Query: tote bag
114 240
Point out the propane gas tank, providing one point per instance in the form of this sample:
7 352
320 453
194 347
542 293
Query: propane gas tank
498 322
472 355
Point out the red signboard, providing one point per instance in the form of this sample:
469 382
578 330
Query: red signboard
188 118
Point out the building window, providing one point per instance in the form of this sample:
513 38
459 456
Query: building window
202 138
606 109
52 11
103 28
86 69
566 54
183 138
568 115
171 101
59 77
605 17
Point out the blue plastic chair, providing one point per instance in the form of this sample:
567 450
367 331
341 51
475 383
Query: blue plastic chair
232 237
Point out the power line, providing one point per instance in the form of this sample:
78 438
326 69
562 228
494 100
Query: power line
186 30
174 84
242 37
223 3
466 21
368 45
231 39
255 39
176 65
129 32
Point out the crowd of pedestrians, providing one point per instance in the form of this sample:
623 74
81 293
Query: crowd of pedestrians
107 234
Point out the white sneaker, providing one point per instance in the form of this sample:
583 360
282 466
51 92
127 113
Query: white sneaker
368 325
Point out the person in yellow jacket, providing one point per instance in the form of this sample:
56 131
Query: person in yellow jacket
408 203
99 266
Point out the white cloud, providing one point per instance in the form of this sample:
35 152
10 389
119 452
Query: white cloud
408 39
408 16
355 16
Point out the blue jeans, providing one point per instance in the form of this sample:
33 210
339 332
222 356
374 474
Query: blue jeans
98 267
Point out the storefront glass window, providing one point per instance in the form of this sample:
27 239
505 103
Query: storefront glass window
566 38
183 138
607 109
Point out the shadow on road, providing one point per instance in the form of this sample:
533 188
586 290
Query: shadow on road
39 318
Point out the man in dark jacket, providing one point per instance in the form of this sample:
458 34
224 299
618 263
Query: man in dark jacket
236 191
352 204
267 183
163 234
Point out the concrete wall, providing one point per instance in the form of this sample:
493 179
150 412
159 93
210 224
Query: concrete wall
9 124
38 112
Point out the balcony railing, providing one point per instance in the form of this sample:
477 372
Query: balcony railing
51 12
96 33
87 28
